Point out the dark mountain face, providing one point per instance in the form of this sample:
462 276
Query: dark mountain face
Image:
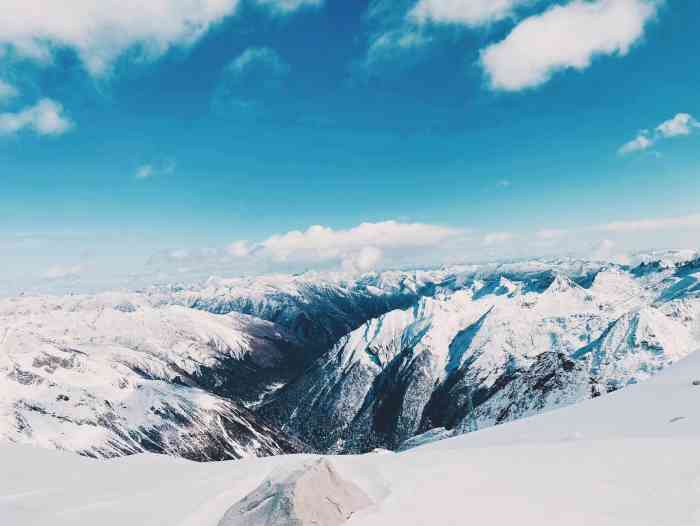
495 351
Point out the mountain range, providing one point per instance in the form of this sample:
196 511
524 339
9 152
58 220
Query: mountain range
336 363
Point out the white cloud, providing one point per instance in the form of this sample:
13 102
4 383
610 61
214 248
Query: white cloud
563 37
101 30
497 238
607 250
162 167
287 6
256 58
366 259
47 117
358 249
392 43
239 249
320 243
646 225
642 142
467 12
681 125
7 91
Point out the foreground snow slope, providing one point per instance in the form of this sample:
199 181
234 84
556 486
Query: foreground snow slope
630 458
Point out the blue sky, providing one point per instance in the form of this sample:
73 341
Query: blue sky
195 136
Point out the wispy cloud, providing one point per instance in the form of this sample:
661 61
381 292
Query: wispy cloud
655 224
255 59
63 272
160 167
471 13
497 238
565 37
682 124
548 234
46 117
7 91
641 142
251 80
287 6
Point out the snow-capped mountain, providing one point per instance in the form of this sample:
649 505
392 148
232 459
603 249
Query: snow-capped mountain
318 308
113 375
504 344
335 362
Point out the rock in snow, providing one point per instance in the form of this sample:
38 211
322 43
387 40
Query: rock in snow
312 495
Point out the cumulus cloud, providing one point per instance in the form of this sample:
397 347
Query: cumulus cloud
359 243
46 117
469 12
239 249
358 249
366 259
681 125
101 30
565 37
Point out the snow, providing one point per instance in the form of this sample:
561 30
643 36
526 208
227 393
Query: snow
104 375
630 458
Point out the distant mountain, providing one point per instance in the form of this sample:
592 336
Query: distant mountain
317 309
112 375
506 343
336 362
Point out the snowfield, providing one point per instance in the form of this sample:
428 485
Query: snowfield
627 459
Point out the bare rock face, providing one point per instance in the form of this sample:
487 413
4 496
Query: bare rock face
315 494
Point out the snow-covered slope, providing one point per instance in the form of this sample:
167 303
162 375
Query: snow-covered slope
491 348
112 375
350 363
629 458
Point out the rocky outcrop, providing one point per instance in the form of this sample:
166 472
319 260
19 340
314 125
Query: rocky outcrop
314 495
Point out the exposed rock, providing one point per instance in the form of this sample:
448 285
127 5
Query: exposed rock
312 495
